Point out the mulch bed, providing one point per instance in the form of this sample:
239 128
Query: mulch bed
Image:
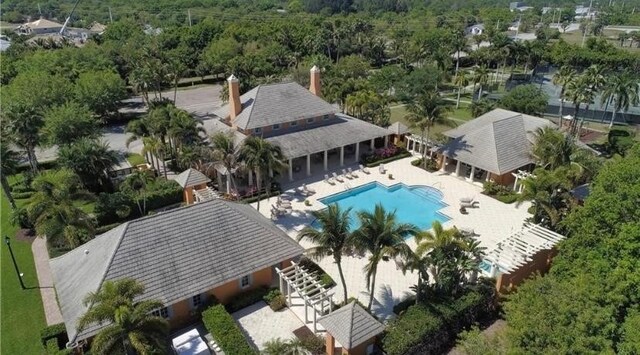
303 332
588 136
25 235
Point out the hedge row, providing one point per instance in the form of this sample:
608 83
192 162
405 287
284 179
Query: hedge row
225 331
431 328
262 196
52 348
387 160
56 332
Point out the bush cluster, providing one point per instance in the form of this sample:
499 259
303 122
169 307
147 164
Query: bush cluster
500 192
226 331
382 155
56 332
246 299
431 328
275 299
432 164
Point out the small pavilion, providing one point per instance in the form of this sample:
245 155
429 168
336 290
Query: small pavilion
194 186
353 328
398 132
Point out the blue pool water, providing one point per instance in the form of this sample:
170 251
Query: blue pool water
418 205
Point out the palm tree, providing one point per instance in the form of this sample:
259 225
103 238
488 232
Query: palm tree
551 148
137 182
548 191
52 210
563 77
261 156
461 81
130 325
579 92
427 109
89 158
623 90
481 77
9 161
24 125
382 236
480 107
595 75
184 130
332 238
155 147
458 45
225 152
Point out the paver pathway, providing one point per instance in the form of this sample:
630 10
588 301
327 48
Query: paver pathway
45 281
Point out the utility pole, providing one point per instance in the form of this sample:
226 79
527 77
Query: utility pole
39 10
13 258
586 25
189 12
110 15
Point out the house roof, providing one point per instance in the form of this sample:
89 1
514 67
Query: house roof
398 128
266 105
191 177
175 254
341 131
43 23
499 141
351 325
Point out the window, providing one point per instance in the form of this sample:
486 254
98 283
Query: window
257 130
276 127
325 117
162 312
293 123
196 301
245 281
310 120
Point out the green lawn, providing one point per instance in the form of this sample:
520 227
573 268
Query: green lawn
575 37
135 159
22 312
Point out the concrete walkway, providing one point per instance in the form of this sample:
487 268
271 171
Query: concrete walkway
45 281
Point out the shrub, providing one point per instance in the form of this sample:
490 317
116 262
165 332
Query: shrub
432 164
404 304
19 217
278 303
375 163
510 198
20 188
246 299
619 140
313 343
261 196
431 328
22 195
225 331
271 295
55 331
417 162
106 228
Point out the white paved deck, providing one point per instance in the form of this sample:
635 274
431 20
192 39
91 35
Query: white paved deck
492 221
261 324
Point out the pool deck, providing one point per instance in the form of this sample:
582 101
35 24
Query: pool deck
492 221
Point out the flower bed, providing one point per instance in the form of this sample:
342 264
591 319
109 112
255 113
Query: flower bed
383 155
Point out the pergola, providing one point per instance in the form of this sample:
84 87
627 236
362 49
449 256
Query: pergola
520 175
205 194
516 250
308 286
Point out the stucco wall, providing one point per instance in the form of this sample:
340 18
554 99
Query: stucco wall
540 262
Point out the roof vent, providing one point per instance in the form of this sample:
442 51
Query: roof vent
86 251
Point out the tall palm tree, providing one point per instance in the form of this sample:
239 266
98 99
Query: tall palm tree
427 109
9 161
548 192
155 148
563 77
137 182
184 130
52 210
263 158
551 148
579 92
595 75
333 237
89 158
225 152
382 236
24 124
622 89
130 327
458 45
480 77
461 81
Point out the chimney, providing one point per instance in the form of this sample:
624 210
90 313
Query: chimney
235 107
314 87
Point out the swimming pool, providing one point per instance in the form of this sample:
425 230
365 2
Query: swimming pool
418 205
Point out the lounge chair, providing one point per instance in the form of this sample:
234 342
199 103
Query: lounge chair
352 173
306 189
468 232
285 204
328 179
468 202
364 169
381 169
337 178
346 174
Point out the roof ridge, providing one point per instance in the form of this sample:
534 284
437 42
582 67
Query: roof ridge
255 101
107 266
351 318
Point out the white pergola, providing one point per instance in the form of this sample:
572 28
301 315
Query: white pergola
308 287
418 145
516 250
520 175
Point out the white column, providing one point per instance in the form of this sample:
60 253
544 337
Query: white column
458 168
444 163
326 160
228 182
250 178
488 177
355 160
386 141
373 144
270 172
219 177
473 171
308 164
342 156
515 183
289 293
290 169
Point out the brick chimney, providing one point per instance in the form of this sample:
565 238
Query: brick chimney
235 107
314 86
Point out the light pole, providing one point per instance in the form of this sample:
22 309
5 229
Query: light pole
6 240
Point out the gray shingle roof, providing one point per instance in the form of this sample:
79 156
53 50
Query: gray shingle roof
344 130
351 325
191 177
175 254
398 128
266 105
498 141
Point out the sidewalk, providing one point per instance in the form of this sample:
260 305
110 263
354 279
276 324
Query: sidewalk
45 281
